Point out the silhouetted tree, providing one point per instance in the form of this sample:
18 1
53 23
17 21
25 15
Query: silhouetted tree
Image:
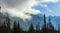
3 29
58 28
50 26
31 29
38 28
7 22
0 16
14 27
44 26
18 27
0 19
19 30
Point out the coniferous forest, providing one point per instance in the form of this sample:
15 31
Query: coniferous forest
47 28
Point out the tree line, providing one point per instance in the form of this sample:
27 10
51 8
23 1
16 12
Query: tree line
47 27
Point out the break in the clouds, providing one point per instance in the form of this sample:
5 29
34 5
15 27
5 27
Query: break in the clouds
47 1
20 8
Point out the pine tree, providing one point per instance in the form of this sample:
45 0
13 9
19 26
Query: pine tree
3 29
51 27
19 30
44 26
7 22
38 28
14 27
18 27
31 29
0 16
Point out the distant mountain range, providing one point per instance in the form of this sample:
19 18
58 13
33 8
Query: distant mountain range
35 20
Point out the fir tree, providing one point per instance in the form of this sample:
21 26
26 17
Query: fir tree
14 27
31 29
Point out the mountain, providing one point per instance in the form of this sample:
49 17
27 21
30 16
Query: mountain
55 20
25 24
35 20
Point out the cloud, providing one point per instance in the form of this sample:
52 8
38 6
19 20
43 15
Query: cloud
52 1
19 8
41 2
33 11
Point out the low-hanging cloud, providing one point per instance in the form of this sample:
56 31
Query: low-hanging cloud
19 8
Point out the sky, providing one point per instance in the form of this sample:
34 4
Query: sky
20 8
23 8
